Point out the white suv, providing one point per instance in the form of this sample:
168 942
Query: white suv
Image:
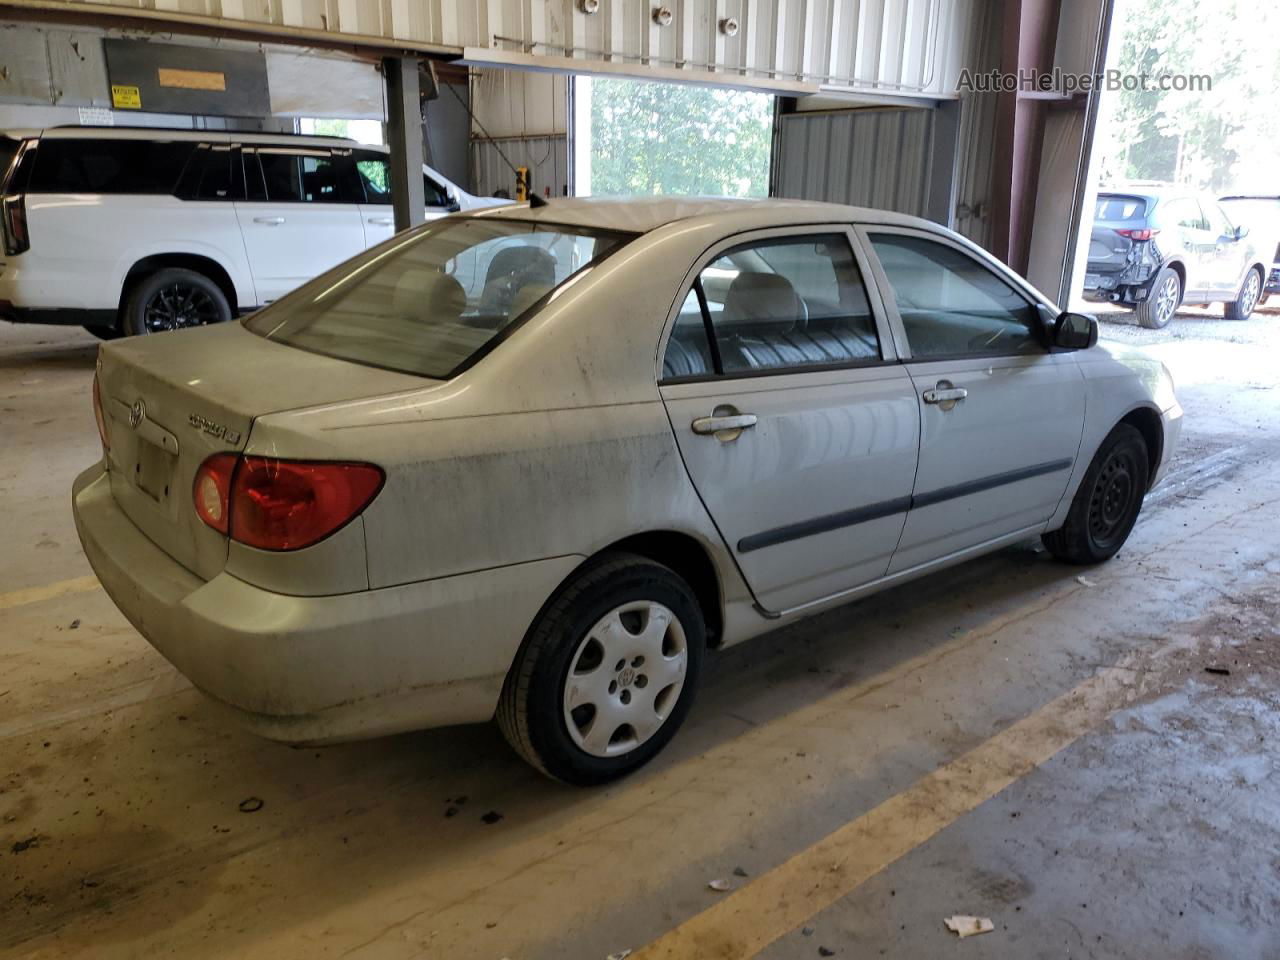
142 230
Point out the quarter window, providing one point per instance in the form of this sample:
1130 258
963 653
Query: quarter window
953 306
778 304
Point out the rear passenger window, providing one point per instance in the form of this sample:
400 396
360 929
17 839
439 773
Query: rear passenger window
108 165
301 176
208 174
781 304
951 305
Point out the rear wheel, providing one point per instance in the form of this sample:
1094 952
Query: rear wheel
1247 299
607 673
1161 304
174 299
1106 506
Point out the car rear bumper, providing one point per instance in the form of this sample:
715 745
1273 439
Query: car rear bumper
320 669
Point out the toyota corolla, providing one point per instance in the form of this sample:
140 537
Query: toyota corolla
533 462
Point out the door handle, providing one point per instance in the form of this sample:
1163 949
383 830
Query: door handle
725 424
269 221
945 394
382 221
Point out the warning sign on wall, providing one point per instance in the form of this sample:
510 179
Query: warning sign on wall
124 97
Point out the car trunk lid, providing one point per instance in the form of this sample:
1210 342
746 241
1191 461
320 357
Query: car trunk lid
171 400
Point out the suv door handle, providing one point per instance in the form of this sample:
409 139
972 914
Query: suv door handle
382 221
942 396
725 423
269 221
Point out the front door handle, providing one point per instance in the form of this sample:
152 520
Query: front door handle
382 221
945 394
725 423
269 221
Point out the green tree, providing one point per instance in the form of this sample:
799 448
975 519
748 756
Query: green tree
652 138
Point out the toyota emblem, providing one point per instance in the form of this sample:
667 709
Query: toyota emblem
136 413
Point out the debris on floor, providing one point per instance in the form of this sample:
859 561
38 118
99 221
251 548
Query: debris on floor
739 872
493 816
826 952
26 844
721 885
969 926
620 955
806 931
251 804
1085 582
1218 671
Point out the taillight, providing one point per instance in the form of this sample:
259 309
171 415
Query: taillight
212 490
1138 234
282 504
97 415
13 219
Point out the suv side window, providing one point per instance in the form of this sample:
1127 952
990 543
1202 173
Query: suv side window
784 303
208 174
301 175
1218 224
112 166
375 179
951 304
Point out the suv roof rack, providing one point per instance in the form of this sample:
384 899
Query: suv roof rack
146 129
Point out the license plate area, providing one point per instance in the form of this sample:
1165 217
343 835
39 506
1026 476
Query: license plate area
153 470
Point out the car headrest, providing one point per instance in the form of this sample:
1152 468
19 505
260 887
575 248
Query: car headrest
419 292
757 299
511 270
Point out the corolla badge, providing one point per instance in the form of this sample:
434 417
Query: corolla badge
216 430
136 413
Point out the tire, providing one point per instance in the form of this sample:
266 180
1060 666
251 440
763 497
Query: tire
596 629
171 299
1162 303
1247 299
103 333
1106 506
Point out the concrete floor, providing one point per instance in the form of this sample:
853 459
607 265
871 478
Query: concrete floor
1014 739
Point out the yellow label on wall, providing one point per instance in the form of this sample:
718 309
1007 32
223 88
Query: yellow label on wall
192 79
125 97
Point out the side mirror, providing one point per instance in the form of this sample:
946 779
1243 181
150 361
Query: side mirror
1075 331
1241 232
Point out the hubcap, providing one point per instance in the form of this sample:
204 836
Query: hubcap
1112 499
1252 290
625 678
1167 301
177 306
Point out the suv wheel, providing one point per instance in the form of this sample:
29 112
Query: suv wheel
607 673
1106 505
1250 295
174 299
1161 304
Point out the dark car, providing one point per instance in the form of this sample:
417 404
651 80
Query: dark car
1154 249
1261 214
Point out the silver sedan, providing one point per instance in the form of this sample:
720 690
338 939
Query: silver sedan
533 462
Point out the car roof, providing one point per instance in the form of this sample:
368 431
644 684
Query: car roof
179 133
643 214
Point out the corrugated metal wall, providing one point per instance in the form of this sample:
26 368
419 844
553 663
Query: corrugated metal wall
887 46
876 157
522 115
977 131
546 157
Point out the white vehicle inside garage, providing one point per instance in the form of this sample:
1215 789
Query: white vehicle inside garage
626 479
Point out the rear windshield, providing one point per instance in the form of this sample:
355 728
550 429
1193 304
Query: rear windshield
108 166
1112 206
434 301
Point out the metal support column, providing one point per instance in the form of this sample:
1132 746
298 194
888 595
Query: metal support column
940 198
404 136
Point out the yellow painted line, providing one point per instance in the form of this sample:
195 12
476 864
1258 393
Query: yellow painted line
20 598
750 919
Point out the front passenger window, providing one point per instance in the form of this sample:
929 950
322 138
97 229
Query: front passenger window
951 304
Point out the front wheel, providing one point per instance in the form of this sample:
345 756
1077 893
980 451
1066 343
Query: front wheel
1106 506
607 673
174 299
1247 299
1162 302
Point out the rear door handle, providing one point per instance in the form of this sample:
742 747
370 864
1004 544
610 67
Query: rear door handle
724 426
382 221
269 221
